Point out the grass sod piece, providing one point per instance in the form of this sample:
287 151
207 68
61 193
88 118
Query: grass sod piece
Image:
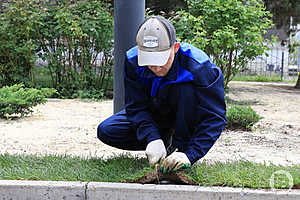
241 117
244 174
67 168
131 169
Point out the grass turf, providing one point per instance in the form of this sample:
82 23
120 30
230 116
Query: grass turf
121 168
261 78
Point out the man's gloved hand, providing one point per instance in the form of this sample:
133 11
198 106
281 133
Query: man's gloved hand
155 151
175 161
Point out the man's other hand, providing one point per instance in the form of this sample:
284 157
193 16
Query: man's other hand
155 151
173 162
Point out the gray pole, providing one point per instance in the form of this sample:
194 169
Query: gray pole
128 15
282 64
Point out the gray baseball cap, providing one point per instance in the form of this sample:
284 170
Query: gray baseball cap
155 37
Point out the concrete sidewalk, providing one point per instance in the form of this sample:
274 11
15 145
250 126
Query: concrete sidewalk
54 190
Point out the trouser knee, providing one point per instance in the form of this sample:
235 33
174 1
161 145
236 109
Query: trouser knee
101 133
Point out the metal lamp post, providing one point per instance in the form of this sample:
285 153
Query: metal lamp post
128 15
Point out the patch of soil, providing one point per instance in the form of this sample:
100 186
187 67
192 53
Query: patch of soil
296 186
69 127
157 177
275 138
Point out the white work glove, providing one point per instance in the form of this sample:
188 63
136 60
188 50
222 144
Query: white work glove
155 151
175 161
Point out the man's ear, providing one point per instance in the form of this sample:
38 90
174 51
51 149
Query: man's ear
176 46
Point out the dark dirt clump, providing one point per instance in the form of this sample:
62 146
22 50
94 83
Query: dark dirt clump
157 177
296 186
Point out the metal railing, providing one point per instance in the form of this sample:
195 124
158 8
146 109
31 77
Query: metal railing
277 62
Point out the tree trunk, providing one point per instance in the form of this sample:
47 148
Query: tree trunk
298 81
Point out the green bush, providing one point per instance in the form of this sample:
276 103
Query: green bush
230 32
17 100
17 48
89 94
74 39
241 117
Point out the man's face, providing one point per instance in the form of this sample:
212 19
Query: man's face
163 70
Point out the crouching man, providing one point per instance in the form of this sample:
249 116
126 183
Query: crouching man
174 100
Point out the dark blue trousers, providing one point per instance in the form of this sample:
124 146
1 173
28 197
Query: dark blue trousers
173 111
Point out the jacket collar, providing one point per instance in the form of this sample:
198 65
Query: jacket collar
171 76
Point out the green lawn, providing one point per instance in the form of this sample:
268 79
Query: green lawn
261 78
118 169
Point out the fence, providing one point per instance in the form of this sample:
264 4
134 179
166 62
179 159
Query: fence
277 62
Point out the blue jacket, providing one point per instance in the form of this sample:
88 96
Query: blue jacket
190 65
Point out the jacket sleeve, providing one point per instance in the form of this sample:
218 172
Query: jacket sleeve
137 105
210 111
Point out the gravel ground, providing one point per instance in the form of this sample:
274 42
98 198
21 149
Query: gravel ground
68 127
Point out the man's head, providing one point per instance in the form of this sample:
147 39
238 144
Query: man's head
157 46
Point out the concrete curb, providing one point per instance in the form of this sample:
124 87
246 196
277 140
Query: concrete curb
54 190
38 190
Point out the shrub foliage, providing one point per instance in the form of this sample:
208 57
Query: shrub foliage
230 32
17 100
72 41
17 47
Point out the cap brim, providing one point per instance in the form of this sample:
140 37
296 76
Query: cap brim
148 58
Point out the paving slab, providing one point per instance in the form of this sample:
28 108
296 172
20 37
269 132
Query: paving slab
42 190
127 191
59 190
